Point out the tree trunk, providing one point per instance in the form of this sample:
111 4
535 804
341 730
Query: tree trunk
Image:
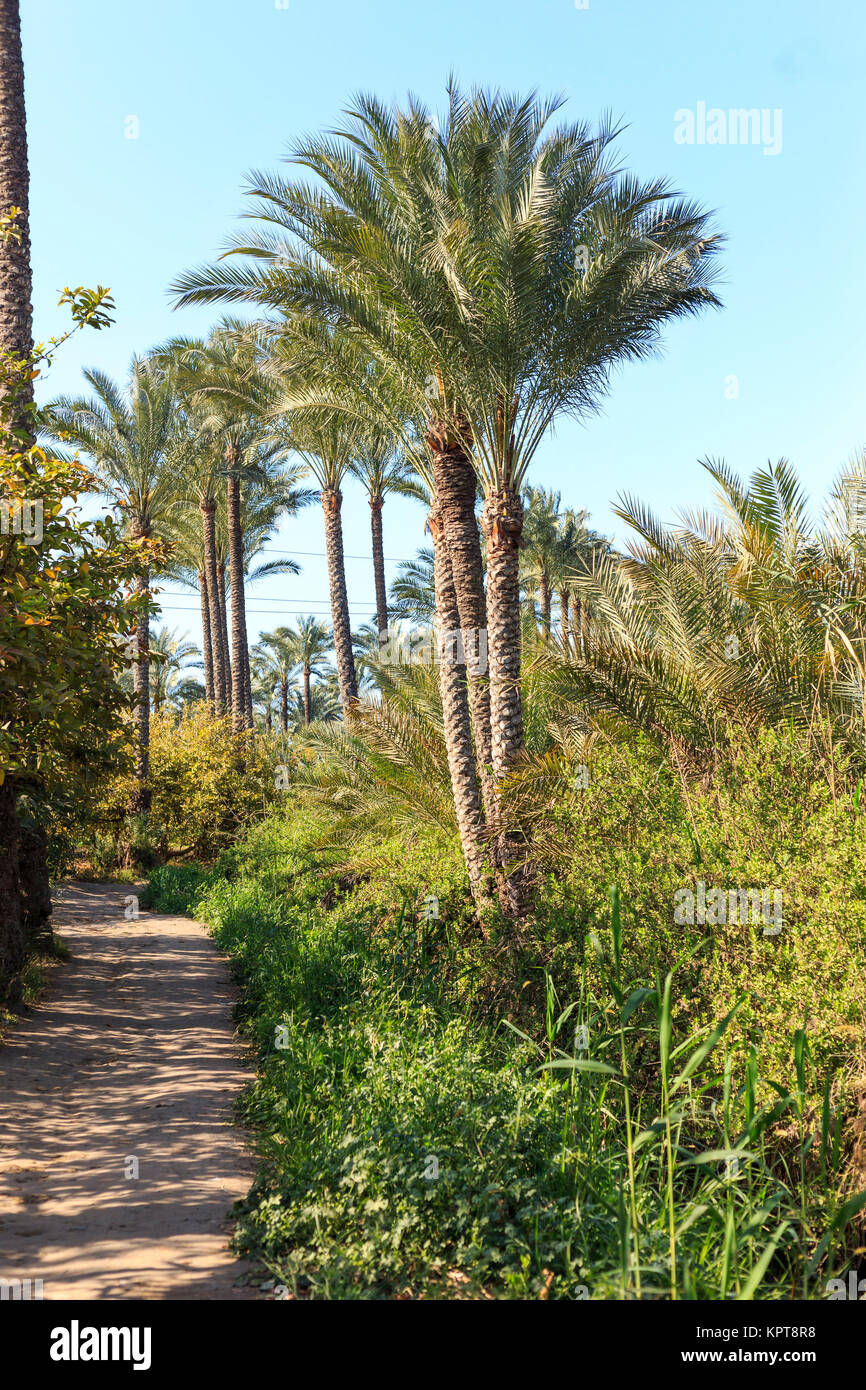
215 638
222 614
563 619
376 504
456 723
207 653
248 684
35 887
308 703
332 502
16 314
140 799
239 621
11 924
16 339
545 597
455 487
284 705
502 520
269 723
576 624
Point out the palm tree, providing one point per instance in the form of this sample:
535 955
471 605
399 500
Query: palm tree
171 656
129 437
384 469
221 379
310 642
275 666
413 594
328 450
540 539
504 270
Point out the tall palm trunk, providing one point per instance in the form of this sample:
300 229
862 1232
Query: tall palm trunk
576 625
239 620
207 652
248 683
140 799
308 704
16 314
544 594
376 504
563 619
332 501
16 339
455 486
502 520
269 722
222 617
456 721
215 641
284 704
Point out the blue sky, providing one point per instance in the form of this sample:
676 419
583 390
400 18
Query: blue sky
220 86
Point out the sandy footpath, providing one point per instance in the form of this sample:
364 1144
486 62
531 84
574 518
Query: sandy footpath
131 1055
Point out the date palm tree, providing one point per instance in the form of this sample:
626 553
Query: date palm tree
540 538
220 377
172 655
310 641
275 669
384 469
503 268
129 437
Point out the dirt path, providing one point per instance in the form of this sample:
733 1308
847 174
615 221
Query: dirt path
132 1055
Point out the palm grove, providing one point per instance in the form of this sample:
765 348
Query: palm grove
420 303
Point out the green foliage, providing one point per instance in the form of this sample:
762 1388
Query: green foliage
208 785
411 1147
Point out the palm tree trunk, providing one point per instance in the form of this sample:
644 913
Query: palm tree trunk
248 684
376 504
141 690
308 704
140 799
455 486
207 651
16 339
16 315
502 520
545 597
563 619
332 502
456 722
239 621
215 634
269 722
284 704
222 615
576 624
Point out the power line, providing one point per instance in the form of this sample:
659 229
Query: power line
323 555
266 598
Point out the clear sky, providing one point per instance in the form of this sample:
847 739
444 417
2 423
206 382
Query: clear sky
220 86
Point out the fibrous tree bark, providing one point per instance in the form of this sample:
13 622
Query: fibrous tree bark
332 501
376 504
456 721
